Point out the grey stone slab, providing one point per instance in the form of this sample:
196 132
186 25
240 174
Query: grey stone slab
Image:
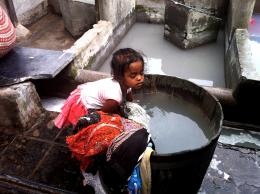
187 27
24 63
212 7
20 106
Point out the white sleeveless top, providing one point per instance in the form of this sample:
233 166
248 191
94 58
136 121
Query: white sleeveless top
94 94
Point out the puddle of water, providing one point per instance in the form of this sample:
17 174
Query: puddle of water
175 124
205 63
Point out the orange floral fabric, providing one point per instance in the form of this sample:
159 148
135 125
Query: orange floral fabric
94 139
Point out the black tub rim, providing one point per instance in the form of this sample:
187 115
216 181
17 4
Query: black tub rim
211 140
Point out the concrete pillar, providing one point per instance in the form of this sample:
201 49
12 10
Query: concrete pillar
241 72
189 26
239 14
20 106
78 16
28 11
115 11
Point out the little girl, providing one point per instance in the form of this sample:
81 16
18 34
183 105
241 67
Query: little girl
127 68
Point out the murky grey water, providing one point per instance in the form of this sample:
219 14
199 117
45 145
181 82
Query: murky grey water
175 125
203 65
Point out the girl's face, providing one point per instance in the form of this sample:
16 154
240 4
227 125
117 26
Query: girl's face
134 75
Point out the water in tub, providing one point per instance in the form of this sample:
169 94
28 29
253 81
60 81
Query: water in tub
176 125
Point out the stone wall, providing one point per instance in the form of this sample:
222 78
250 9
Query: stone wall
191 23
86 47
29 11
150 11
115 11
78 16
20 106
92 49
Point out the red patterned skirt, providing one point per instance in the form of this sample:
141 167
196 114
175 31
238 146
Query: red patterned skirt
71 111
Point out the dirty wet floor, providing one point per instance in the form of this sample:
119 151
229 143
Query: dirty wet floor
38 161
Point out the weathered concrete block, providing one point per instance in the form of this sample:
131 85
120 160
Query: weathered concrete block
22 33
78 16
30 11
211 7
87 46
188 28
150 11
239 14
20 106
115 11
240 70
93 48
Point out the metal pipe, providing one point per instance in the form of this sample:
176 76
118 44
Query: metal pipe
224 95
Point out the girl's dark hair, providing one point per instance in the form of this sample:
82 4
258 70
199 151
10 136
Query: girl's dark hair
121 59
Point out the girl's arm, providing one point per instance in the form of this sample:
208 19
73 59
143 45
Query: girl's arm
110 106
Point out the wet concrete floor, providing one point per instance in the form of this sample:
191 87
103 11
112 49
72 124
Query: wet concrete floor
37 160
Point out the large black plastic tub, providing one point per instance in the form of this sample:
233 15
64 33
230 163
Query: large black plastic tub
183 172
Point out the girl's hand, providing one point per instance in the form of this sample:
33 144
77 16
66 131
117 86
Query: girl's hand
110 106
